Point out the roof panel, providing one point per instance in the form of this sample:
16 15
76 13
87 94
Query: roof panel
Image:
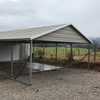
34 33
30 33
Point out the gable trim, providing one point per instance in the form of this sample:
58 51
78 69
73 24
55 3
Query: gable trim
80 34
61 27
48 32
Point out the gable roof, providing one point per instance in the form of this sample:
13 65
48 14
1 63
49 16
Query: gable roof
34 33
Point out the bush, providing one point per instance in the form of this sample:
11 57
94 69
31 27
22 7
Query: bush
40 54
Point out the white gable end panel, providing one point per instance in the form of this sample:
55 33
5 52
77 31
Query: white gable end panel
67 34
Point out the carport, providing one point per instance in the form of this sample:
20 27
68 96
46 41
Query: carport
27 38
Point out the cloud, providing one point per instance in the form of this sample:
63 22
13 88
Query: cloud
84 14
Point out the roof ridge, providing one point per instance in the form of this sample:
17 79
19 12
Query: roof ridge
47 32
56 25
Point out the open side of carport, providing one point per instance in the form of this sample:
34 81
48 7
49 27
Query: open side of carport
67 34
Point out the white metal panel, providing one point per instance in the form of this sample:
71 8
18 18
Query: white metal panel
18 54
5 53
24 51
33 33
67 34
29 33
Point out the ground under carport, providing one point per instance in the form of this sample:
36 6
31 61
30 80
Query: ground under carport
65 84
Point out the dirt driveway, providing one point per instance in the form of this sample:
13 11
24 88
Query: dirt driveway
66 84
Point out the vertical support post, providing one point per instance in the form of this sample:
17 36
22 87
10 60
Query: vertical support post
30 66
56 53
78 51
43 56
66 51
89 57
34 50
94 55
71 53
46 50
43 51
12 64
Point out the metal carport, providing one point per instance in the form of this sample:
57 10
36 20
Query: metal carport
48 34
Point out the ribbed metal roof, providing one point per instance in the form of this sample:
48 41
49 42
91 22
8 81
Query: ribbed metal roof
33 33
29 33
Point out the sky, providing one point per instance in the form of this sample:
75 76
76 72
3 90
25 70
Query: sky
83 14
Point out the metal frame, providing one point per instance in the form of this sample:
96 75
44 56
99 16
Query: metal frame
88 57
43 46
30 61
90 42
94 54
41 41
12 63
56 53
31 51
71 54
72 26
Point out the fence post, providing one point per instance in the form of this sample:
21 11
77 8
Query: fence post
12 62
56 52
89 57
71 53
94 55
30 65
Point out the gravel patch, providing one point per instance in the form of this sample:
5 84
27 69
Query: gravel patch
66 84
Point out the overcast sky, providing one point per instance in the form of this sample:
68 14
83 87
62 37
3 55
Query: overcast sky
84 14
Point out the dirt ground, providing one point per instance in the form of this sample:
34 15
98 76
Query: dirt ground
65 84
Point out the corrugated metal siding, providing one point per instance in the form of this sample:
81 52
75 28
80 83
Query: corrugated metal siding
67 34
5 52
16 52
24 51
28 33
19 52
